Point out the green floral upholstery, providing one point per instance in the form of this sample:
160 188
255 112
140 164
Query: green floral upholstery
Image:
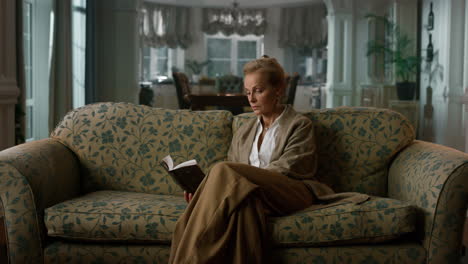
355 146
116 147
435 178
71 253
33 176
129 216
20 216
115 215
120 145
376 220
404 253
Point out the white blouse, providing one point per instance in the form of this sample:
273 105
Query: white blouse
261 157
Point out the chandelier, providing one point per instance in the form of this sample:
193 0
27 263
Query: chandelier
235 20
235 13
233 16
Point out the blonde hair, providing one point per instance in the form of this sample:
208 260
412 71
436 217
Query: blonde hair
270 66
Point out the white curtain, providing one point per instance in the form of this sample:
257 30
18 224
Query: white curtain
61 78
234 21
303 27
164 25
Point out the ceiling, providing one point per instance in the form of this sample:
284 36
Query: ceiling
242 3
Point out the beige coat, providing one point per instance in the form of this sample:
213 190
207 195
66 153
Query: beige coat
295 154
216 226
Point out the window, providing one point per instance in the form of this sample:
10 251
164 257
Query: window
310 64
79 51
27 46
37 25
158 63
229 54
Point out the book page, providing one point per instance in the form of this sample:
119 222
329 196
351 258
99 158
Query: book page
169 162
185 164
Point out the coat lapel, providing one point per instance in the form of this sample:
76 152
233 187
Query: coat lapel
245 146
247 142
284 122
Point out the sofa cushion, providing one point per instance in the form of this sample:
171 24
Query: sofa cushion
129 216
376 220
355 146
120 145
116 215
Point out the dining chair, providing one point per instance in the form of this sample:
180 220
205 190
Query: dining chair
183 89
229 84
291 88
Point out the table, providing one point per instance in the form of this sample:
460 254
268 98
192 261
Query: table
200 101
377 95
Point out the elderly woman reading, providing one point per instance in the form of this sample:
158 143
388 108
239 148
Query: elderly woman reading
271 167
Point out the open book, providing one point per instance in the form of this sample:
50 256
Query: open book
188 175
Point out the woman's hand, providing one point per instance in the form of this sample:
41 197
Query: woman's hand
188 196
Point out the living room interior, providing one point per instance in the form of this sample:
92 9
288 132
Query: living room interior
408 56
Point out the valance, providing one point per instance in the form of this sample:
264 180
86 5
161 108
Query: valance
230 21
163 25
303 27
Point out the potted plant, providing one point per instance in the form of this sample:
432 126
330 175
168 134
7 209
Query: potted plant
397 51
196 68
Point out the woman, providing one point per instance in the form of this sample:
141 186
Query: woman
272 162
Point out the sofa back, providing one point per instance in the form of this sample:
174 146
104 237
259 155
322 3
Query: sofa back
355 146
120 145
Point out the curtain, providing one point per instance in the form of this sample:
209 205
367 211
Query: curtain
303 27
90 60
163 25
61 78
234 21
20 107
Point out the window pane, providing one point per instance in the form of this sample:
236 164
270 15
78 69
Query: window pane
247 49
27 18
311 65
240 66
161 52
300 65
155 63
299 59
27 46
146 62
79 3
79 51
161 67
219 48
29 123
219 68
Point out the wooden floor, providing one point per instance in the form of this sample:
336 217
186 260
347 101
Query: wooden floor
465 242
3 250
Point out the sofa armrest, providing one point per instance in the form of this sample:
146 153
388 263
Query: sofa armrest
435 178
34 176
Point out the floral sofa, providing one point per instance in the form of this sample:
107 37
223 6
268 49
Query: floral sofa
94 192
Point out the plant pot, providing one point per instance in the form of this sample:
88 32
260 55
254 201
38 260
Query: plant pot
406 90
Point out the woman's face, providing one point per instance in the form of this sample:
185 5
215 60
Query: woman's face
263 97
